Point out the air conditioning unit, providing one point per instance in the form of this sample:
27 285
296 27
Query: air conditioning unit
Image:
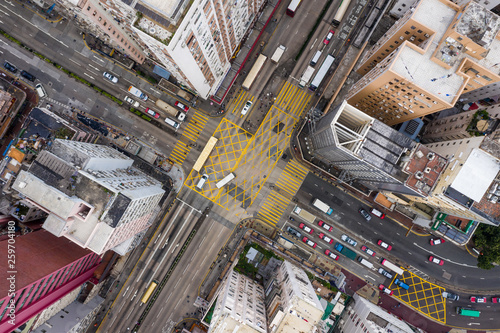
419 175
427 170
431 156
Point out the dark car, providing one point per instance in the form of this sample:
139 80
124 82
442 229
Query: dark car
10 67
365 214
28 76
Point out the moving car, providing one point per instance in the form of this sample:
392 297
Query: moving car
28 76
305 228
325 226
385 289
478 299
437 241
383 244
325 238
328 37
348 240
368 250
247 107
401 284
453 297
365 214
495 299
152 113
377 213
331 255
129 100
10 67
110 77
435 260
309 242
182 106
385 273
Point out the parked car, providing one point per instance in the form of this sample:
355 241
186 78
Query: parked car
331 255
325 226
152 113
309 242
385 273
365 214
10 67
182 106
385 289
368 250
28 76
306 228
478 299
129 100
437 241
495 299
348 240
325 238
383 244
328 37
110 77
453 297
435 260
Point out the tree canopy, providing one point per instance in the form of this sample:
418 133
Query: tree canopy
487 238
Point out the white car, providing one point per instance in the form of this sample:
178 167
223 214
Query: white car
247 107
129 100
110 77
348 240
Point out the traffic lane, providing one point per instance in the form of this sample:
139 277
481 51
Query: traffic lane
487 320
180 292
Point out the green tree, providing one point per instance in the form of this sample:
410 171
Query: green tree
487 238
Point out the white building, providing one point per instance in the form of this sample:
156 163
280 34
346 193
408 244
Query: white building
240 307
92 194
366 317
196 49
291 301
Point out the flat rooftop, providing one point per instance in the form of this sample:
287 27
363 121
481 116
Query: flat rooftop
425 168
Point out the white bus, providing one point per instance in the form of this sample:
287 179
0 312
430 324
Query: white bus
396 269
225 180
322 206
254 72
320 75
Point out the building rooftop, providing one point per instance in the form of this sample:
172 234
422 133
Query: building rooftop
38 254
383 147
424 169
479 24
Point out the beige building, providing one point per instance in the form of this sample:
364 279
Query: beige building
422 65
240 307
469 186
292 305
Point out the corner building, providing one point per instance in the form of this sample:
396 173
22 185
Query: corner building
433 54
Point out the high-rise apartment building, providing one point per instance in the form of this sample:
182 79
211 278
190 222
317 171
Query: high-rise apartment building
92 194
463 125
46 269
422 65
193 40
240 307
490 91
375 154
292 305
400 7
362 316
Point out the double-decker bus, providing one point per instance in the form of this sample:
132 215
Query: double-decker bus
292 7
204 154
149 291
254 72
468 312
396 269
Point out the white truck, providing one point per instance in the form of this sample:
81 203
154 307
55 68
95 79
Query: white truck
278 53
304 214
137 93
306 77
322 206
